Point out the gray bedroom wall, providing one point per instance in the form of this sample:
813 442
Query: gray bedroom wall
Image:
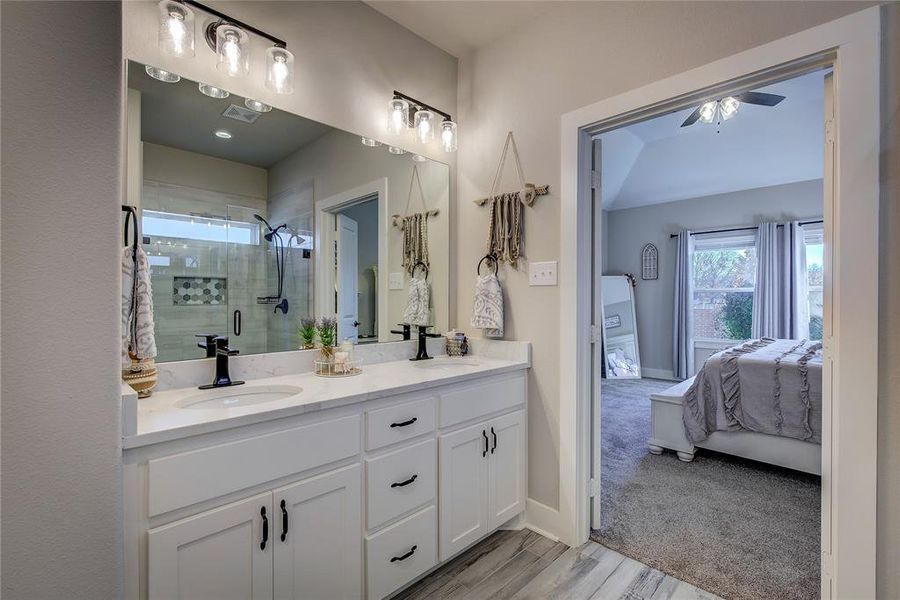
628 230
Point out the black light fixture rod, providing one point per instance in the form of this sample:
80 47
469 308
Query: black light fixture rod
421 104
675 235
277 42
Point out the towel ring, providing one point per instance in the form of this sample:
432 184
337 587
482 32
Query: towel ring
419 264
489 257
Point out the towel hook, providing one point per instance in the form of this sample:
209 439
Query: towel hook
420 264
491 257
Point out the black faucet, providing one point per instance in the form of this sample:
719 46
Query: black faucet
209 345
405 332
422 353
222 352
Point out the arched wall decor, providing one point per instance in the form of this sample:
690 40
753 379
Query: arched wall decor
649 262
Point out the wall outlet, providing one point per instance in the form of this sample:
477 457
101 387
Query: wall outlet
542 273
395 281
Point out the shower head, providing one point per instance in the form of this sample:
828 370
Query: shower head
261 220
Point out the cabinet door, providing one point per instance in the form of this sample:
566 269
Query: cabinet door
463 489
216 555
506 471
320 555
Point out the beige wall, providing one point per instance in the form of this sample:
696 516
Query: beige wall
525 81
61 147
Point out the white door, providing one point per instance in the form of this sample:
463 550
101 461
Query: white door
318 537
463 489
506 470
597 321
347 278
219 554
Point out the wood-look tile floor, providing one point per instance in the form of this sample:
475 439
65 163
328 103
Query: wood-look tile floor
525 565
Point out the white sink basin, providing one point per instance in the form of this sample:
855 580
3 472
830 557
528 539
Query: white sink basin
237 396
446 364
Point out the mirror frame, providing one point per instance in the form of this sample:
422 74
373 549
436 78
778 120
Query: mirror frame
637 350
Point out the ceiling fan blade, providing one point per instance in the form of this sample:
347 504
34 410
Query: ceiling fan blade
759 98
692 118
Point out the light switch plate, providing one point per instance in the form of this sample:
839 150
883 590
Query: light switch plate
395 281
542 273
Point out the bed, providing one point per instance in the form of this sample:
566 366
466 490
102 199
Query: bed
761 399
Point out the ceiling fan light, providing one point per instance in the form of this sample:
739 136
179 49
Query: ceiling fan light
708 111
728 107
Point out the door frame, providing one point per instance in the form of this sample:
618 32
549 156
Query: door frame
849 449
324 238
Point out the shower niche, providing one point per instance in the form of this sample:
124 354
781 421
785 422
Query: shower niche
227 198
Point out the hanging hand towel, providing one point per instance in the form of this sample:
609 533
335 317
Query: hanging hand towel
418 306
137 308
487 312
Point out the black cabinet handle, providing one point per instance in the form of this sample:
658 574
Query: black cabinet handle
262 544
405 423
238 323
405 483
284 521
484 452
405 556
494 434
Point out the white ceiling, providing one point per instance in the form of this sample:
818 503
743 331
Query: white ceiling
458 27
658 161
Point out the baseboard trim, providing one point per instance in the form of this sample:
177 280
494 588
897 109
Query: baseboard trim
658 374
542 519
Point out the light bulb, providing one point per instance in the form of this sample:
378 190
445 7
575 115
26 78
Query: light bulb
708 111
424 123
728 107
176 28
398 111
233 50
212 91
162 75
448 136
256 105
279 70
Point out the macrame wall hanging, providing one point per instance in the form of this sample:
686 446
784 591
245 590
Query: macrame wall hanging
506 224
415 228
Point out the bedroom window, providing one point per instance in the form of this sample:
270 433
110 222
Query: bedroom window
724 273
814 242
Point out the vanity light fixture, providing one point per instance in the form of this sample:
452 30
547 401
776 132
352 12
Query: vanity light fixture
176 28
256 105
224 134
398 115
162 74
396 150
405 111
233 50
280 70
448 136
370 142
424 124
212 91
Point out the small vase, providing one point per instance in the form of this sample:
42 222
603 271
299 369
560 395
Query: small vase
327 352
308 346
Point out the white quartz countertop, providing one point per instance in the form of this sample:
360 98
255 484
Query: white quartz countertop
160 418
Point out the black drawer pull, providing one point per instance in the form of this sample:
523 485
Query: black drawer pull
494 433
484 452
405 423
262 544
403 483
284 521
405 556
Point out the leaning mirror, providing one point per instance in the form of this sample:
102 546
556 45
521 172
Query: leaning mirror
620 341
253 217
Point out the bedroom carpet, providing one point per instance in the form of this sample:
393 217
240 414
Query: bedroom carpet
734 527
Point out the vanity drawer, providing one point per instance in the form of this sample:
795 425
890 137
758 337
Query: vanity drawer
184 479
399 422
460 404
400 553
400 481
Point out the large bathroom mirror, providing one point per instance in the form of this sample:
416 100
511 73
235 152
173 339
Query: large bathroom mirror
620 340
253 218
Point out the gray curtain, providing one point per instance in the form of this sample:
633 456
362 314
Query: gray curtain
682 343
780 297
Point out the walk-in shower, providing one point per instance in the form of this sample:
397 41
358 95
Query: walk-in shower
272 236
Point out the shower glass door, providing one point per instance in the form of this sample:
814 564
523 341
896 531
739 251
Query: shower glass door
249 284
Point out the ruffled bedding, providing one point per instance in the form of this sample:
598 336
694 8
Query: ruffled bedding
765 385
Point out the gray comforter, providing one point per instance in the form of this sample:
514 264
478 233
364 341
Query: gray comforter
768 386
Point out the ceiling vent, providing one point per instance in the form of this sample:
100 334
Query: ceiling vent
239 113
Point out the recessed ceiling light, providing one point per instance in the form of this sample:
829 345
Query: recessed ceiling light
257 106
396 150
370 142
162 75
212 91
418 158
221 133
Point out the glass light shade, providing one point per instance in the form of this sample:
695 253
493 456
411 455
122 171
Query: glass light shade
396 150
260 107
176 28
280 70
448 136
418 158
370 142
728 107
212 91
233 49
398 115
424 125
708 111
162 75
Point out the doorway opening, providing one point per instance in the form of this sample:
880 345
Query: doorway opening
708 371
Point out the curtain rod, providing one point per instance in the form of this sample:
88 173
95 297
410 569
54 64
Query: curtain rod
675 235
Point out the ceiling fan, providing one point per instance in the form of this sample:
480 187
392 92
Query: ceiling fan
728 106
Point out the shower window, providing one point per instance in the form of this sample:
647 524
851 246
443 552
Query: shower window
199 227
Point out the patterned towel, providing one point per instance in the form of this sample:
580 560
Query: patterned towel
487 312
418 306
137 308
